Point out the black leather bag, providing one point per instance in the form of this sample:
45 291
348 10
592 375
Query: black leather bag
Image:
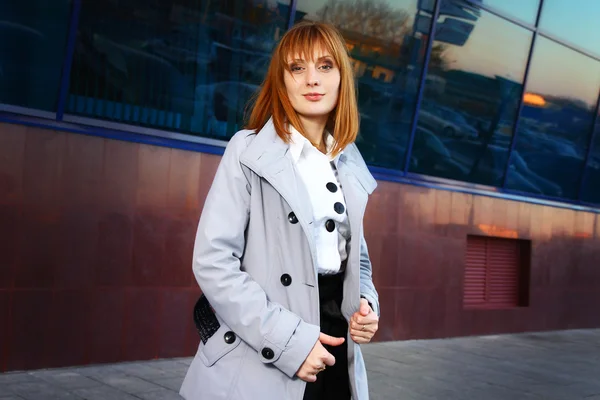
205 319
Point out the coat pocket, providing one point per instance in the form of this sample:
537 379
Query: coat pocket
219 345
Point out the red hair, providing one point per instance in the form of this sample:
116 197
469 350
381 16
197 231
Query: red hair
303 40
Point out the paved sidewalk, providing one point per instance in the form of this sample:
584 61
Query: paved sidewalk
551 366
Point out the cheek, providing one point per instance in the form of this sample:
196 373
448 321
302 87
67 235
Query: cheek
336 90
290 84
335 85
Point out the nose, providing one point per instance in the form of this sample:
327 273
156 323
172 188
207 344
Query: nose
312 78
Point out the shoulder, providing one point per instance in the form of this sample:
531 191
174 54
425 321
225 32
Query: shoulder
230 163
240 141
359 168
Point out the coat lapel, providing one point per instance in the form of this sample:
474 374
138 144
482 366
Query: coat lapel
268 156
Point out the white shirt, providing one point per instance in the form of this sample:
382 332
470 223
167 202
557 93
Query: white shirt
318 171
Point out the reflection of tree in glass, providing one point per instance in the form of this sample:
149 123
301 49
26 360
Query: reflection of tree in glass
437 59
375 18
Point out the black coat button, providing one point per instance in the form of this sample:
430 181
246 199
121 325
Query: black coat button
286 280
267 353
332 187
229 337
292 218
339 208
330 225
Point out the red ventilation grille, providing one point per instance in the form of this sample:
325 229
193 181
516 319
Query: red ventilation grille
491 273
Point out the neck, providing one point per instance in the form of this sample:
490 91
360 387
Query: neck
314 128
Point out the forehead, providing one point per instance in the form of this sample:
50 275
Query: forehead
307 50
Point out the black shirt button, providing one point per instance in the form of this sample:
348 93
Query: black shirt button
286 280
330 225
267 353
292 218
229 337
332 187
339 208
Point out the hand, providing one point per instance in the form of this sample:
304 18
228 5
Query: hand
318 358
364 323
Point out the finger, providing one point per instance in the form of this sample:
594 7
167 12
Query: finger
364 320
366 327
363 334
309 378
365 309
360 340
330 340
328 359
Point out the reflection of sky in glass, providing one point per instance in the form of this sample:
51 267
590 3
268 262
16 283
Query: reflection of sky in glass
496 49
488 53
574 21
525 10
562 73
559 71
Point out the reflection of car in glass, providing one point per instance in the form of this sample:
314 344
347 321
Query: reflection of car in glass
446 122
490 170
13 37
223 102
564 170
224 97
143 78
180 51
531 140
430 156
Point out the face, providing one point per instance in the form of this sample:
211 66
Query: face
313 86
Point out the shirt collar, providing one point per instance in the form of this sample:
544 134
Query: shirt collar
299 143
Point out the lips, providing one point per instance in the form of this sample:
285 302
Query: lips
313 96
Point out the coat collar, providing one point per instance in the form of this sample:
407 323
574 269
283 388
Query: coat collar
268 155
299 144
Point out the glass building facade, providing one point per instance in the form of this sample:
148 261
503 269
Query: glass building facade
498 95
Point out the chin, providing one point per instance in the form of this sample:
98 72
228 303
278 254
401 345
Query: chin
315 113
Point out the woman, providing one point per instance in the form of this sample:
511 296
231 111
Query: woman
280 254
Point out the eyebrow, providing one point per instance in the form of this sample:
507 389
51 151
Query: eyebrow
318 59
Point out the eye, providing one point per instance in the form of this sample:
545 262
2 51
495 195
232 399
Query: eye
296 68
327 65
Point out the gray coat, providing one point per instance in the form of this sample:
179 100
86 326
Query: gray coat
244 244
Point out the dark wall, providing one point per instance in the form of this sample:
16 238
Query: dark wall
418 240
96 240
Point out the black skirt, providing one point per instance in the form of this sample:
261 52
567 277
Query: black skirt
333 383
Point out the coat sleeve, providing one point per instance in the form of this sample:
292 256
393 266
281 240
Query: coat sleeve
367 288
279 336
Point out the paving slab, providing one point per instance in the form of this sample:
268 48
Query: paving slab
562 365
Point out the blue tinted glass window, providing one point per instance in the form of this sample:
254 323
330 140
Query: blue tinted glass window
471 95
185 65
591 188
33 37
525 10
387 42
556 121
573 21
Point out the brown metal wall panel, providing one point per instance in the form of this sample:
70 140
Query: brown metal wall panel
103 230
